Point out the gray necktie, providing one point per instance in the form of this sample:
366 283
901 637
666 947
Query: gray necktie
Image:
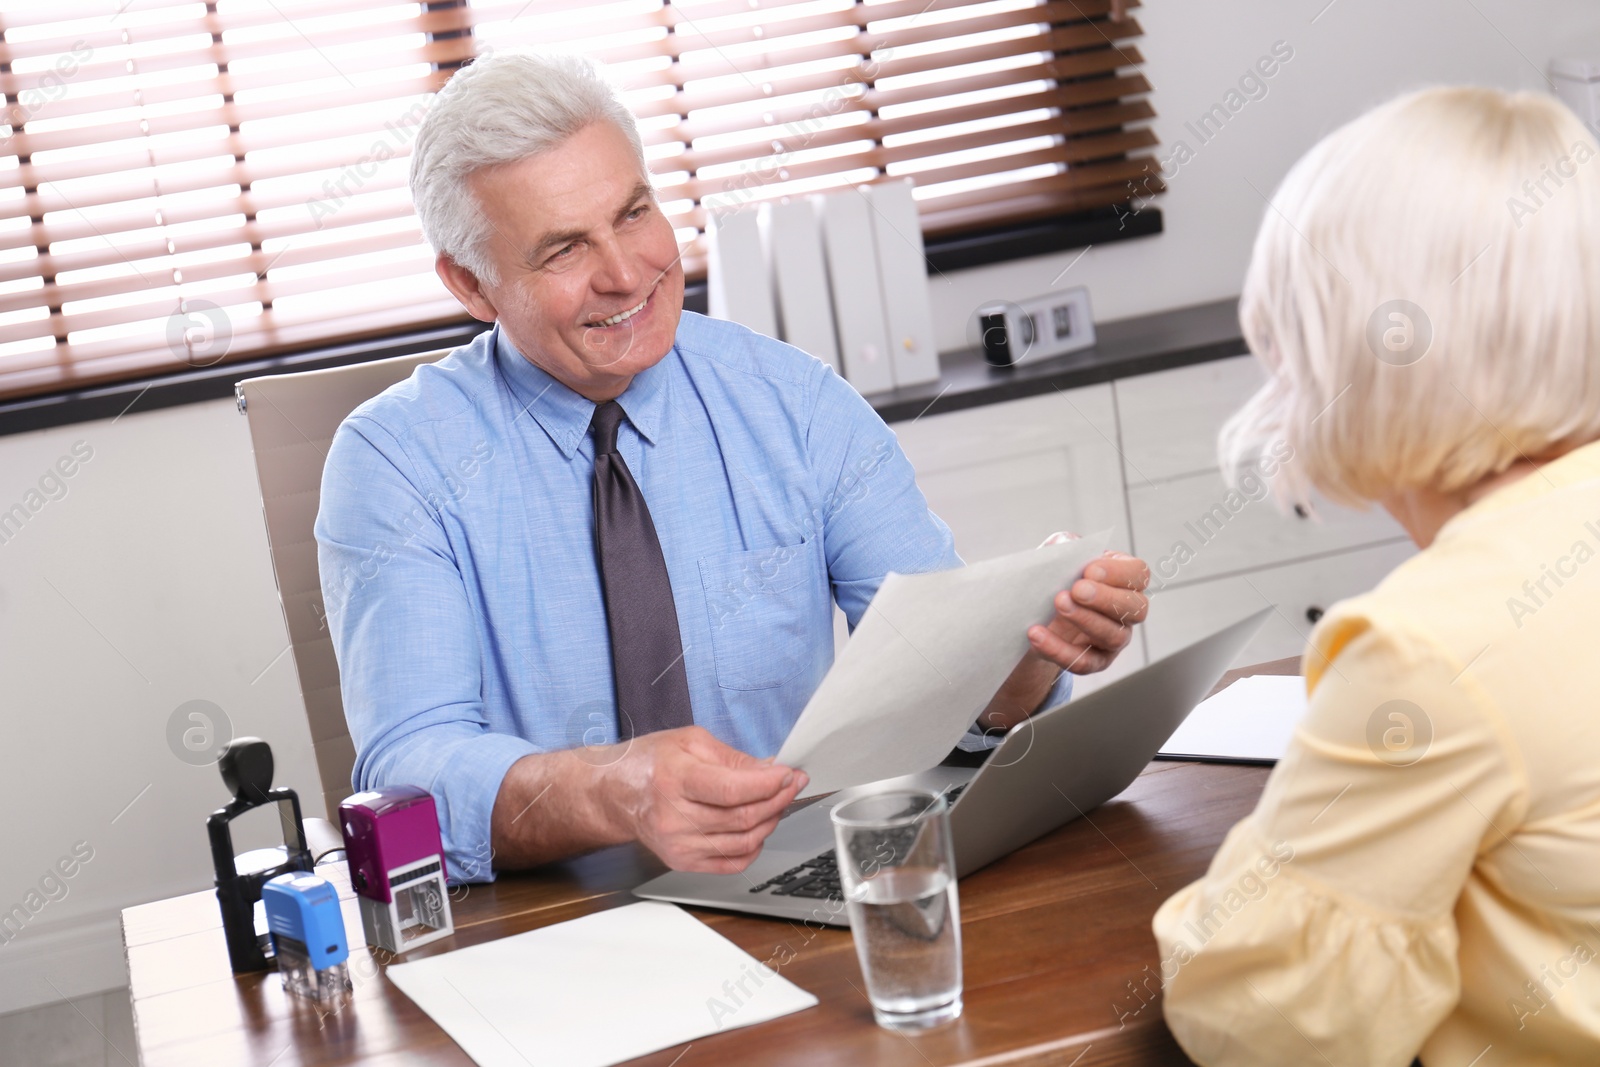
646 650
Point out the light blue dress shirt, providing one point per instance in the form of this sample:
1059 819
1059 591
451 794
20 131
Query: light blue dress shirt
456 547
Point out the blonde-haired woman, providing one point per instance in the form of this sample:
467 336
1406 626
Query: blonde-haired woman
1424 865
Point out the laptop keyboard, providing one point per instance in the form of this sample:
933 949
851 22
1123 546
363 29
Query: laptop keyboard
818 877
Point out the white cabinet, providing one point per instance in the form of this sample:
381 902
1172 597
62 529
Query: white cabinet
1170 419
1006 476
1300 592
1194 527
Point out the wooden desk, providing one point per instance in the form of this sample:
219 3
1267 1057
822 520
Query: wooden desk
1060 965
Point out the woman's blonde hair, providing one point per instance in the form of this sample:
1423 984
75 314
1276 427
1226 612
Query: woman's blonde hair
1425 296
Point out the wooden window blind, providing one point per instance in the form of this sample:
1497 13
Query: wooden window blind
184 182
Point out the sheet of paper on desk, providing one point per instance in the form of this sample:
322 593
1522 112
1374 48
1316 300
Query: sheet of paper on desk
1251 720
597 990
926 658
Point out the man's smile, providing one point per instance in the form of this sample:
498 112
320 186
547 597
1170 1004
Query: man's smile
622 316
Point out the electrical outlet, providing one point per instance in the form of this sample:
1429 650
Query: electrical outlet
1037 328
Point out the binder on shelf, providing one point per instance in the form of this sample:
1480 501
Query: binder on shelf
800 274
738 287
903 275
857 295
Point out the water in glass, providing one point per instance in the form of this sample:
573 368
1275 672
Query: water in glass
908 938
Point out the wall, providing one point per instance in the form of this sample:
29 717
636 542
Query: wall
1355 54
148 585
145 586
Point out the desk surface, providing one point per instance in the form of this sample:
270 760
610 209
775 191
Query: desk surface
1060 965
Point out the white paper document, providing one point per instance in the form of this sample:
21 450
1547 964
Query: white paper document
926 658
1252 720
597 990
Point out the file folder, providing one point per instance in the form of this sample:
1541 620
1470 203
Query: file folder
857 295
738 288
903 275
793 240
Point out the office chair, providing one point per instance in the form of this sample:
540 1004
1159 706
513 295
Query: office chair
292 421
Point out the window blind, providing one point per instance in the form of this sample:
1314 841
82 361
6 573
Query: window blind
184 182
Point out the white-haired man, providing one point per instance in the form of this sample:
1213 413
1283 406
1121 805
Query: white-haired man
561 664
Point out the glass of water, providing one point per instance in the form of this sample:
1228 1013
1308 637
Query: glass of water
897 870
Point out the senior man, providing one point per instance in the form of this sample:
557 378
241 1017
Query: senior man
561 664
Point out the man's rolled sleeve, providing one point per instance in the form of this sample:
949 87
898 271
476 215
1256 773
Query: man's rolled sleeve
403 631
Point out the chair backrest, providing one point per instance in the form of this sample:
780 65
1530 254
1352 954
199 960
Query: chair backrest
292 421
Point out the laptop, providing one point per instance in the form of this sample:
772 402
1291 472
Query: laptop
1049 770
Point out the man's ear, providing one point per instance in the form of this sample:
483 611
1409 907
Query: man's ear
464 286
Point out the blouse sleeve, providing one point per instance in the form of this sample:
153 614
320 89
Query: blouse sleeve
1324 931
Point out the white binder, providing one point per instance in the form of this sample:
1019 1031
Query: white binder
793 243
857 295
738 287
903 273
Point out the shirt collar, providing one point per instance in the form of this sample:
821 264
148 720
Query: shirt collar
645 399
565 415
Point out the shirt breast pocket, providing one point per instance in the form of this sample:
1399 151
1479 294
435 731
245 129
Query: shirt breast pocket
768 608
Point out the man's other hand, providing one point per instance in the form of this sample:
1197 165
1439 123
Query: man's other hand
697 803
1095 615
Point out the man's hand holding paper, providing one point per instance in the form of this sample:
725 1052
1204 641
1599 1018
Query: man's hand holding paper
1093 623
934 647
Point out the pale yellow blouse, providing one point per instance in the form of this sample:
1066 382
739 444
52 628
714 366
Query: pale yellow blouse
1422 874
